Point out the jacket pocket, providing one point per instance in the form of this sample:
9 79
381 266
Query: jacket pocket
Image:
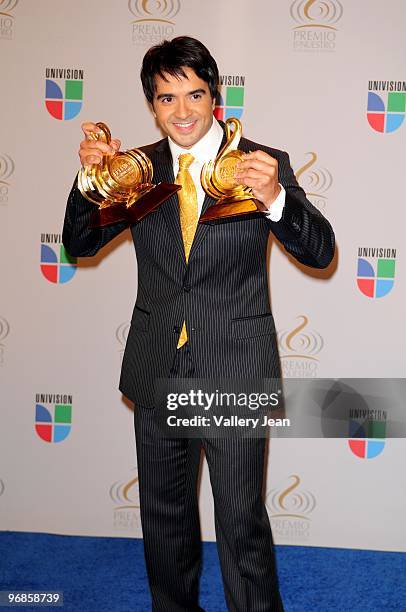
252 327
140 319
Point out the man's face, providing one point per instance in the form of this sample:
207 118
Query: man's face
183 107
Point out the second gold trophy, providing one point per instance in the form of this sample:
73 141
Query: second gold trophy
219 182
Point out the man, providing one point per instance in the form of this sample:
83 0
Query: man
202 311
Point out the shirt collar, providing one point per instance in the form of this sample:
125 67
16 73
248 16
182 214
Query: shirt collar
205 149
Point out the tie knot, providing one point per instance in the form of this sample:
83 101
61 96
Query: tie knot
185 160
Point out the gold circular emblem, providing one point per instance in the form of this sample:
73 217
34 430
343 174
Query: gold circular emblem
226 170
124 170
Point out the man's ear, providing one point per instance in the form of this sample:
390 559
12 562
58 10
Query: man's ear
152 109
213 104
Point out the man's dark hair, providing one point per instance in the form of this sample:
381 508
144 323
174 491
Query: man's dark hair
169 57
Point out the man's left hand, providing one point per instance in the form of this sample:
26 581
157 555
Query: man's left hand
260 171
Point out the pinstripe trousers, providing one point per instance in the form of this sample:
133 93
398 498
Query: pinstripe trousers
168 473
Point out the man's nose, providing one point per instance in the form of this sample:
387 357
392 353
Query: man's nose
183 109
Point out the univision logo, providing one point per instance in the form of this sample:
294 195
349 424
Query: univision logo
386 110
230 99
316 19
6 170
367 432
376 271
6 18
57 266
53 416
154 20
63 92
315 180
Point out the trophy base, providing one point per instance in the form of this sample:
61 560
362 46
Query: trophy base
138 208
108 215
226 208
149 201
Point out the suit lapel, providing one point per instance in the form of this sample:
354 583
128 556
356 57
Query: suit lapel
203 228
163 173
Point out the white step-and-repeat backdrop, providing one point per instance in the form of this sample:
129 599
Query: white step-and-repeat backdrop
325 81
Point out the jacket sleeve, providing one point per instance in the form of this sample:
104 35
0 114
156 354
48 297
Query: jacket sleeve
303 231
78 239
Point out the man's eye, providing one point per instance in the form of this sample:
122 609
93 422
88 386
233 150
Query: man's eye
196 96
167 99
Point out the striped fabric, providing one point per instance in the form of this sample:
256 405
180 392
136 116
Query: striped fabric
168 472
222 294
223 291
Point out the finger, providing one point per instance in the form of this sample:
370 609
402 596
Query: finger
254 175
267 168
253 183
257 186
261 156
96 145
88 127
89 160
116 144
257 174
261 165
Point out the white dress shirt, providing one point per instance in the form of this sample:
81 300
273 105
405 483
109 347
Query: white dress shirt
205 150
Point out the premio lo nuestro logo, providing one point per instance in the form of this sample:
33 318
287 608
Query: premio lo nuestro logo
315 180
154 20
63 92
125 496
53 416
386 109
57 266
6 170
230 99
299 348
367 432
290 509
7 18
122 335
4 332
376 271
316 24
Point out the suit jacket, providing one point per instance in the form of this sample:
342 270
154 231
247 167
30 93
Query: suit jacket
222 292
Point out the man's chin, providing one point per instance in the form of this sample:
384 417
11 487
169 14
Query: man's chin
185 140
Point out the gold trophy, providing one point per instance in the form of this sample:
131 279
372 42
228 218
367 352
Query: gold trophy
121 185
218 181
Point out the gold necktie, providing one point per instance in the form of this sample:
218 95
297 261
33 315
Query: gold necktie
188 213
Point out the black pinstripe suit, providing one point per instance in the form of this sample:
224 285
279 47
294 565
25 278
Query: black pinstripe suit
223 295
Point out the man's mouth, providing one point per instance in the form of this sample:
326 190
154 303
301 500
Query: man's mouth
184 126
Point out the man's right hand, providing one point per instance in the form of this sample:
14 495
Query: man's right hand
91 151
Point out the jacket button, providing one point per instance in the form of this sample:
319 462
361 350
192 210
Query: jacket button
176 329
187 288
